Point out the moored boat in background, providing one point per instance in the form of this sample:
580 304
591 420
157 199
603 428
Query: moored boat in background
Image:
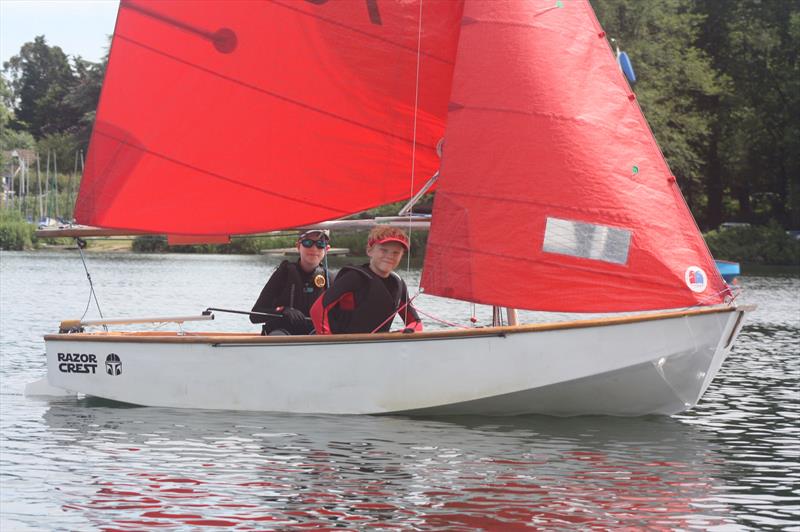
728 269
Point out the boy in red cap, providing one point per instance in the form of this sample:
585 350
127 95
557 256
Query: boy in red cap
365 299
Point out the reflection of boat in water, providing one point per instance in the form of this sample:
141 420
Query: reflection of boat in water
160 466
550 195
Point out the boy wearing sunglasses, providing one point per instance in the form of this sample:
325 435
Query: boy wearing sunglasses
365 299
293 288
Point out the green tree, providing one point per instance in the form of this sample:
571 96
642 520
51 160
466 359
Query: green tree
6 115
41 77
673 74
51 99
85 95
10 139
756 146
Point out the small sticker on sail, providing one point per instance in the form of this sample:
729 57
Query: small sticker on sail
696 279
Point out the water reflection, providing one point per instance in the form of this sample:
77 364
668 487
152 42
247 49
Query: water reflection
751 415
87 464
153 467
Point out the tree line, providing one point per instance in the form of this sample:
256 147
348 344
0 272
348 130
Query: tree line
719 83
718 80
48 100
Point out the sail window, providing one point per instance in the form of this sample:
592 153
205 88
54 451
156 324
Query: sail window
590 241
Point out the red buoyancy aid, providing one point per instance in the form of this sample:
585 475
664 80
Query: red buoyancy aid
360 302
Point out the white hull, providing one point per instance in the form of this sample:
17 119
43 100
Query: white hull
650 364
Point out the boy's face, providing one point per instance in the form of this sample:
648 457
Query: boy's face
384 258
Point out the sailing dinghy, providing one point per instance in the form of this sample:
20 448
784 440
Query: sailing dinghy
237 117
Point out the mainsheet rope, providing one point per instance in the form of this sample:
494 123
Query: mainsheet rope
395 313
440 320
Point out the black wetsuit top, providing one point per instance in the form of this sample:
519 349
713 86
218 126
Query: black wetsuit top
360 301
289 286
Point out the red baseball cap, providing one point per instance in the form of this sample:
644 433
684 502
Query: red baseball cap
398 239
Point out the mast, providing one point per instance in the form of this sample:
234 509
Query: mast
55 182
39 181
47 190
72 177
511 314
23 168
12 186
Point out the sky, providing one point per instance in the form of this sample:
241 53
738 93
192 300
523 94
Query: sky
79 27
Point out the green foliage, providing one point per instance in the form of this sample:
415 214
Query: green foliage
41 77
150 244
50 93
246 245
58 150
33 208
84 97
768 245
391 209
355 241
672 73
14 232
719 82
756 44
10 139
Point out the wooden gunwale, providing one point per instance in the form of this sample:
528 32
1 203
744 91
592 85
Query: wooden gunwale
247 338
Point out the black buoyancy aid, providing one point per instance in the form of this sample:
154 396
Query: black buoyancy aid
301 289
373 305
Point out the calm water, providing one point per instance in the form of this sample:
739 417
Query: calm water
85 464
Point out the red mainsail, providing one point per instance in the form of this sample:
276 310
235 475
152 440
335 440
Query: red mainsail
553 193
230 117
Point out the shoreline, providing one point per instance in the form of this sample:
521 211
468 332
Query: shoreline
125 247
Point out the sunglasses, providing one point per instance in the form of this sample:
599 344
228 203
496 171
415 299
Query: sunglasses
307 243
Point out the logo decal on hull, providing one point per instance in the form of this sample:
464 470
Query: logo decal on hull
113 364
77 363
